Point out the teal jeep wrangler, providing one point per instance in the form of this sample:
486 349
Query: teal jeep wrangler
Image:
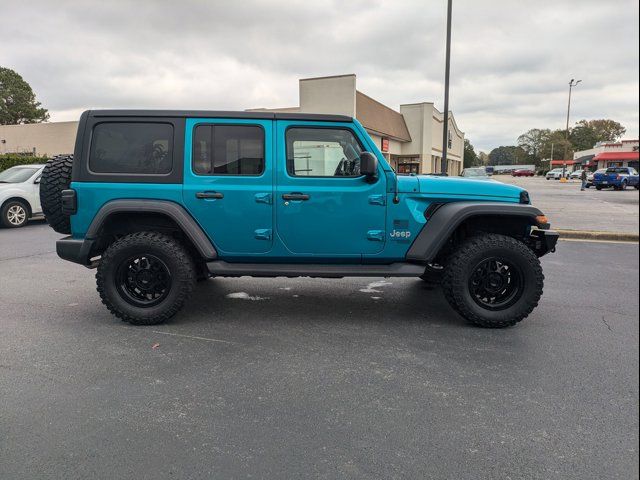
157 200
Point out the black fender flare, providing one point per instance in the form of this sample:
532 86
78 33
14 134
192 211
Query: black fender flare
172 210
448 217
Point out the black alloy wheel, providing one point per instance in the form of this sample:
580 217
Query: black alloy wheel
143 280
495 283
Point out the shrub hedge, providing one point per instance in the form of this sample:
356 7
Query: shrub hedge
9 160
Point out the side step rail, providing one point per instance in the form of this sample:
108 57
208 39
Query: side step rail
222 268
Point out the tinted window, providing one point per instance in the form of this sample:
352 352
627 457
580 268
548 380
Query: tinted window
322 152
137 148
228 150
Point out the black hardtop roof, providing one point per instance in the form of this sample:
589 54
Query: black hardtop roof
260 115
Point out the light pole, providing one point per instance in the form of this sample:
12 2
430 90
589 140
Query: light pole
445 127
566 134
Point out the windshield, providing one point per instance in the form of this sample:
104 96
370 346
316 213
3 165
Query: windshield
17 174
617 170
475 172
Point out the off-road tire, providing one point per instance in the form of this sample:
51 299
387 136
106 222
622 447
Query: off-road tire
455 284
175 257
55 178
6 211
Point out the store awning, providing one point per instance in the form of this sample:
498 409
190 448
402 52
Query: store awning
619 156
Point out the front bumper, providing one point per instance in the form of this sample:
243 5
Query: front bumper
75 250
544 241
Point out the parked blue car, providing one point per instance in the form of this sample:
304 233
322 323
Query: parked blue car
617 177
156 200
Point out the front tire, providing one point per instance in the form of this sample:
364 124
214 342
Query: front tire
493 281
15 214
144 278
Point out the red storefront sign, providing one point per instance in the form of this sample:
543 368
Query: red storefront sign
384 145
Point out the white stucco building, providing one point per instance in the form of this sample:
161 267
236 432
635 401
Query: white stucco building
624 153
52 138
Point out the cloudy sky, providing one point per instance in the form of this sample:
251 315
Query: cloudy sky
511 59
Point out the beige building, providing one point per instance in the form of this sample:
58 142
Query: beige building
410 139
49 139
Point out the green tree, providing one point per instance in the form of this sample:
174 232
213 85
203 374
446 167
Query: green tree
587 133
17 101
508 155
534 142
470 157
555 142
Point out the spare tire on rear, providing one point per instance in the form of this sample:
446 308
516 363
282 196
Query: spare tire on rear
56 177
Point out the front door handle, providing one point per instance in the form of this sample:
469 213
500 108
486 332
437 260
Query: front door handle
209 195
295 196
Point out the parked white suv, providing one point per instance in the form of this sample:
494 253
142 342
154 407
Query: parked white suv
20 195
556 174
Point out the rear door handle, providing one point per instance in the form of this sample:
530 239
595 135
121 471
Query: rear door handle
295 196
209 195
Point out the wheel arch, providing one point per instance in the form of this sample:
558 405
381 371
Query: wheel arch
122 217
454 220
21 200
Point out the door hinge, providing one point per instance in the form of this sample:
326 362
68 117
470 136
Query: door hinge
375 235
263 198
377 199
262 234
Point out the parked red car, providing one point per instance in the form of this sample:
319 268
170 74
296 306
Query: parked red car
522 173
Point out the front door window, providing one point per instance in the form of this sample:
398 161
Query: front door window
322 152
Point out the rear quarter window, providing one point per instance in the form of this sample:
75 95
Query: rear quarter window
131 148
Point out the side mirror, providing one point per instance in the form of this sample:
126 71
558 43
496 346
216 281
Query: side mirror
368 164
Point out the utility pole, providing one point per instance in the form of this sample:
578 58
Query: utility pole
566 133
445 127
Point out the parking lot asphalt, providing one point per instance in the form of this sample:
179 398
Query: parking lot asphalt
308 378
568 208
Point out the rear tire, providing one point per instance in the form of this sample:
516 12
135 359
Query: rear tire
56 177
598 187
144 278
493 281
15 214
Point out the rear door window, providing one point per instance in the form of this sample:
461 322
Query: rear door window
132 147
228 150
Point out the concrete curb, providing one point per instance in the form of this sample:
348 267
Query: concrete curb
596 235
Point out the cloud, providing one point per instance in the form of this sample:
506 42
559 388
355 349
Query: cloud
511 61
